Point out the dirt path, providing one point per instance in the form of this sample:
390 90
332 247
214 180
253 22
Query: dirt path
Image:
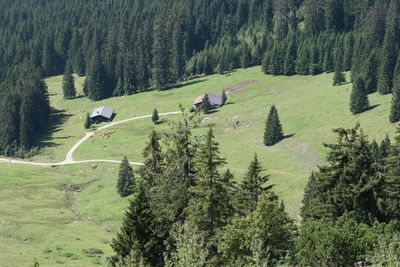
69 159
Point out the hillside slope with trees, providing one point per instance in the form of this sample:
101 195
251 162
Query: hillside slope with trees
128 46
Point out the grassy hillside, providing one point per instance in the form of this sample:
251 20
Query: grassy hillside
61 223
56 214
309 108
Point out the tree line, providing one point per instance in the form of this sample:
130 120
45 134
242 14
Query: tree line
125 47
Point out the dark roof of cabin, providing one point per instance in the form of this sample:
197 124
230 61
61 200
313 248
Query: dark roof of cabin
215 100
105 112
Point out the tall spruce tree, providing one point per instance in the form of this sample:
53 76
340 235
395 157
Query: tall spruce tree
252 187
371 72
207 208
390 49
359 97
339 77
273 128
160 67
96 80
136 238
87 121
389 200
125 182
395 108
155 118
347 183
68 82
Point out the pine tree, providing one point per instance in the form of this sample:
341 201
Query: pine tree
136 237
389 50
273 128
371 72
252 187
96 80
80 64
126 182
224 97
153 160
207 208
87 121
395 108
308 196
290 58
205 105
347 183
119 89
359 98
339 77
389 201
155 118
160 70
68 82
384 148
375 150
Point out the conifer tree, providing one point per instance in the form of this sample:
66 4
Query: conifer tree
273 128
290 58
347 183
68 82
119 89
160 68
339 77
328 60
207 208
155 118
87 121
96 80
205 105
395 108
153 160
136 237
358 98
384 148
389 201
126 182
308 196
252 187
80 64
224 97
375 150
389 50
371 72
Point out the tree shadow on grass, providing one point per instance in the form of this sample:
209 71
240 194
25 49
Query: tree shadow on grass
288 136
176 86
371 107
56 120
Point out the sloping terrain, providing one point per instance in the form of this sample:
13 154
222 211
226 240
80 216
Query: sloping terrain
49 212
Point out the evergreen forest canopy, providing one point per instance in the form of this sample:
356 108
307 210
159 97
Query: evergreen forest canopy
128 46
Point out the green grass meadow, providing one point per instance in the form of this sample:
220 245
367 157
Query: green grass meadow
40 218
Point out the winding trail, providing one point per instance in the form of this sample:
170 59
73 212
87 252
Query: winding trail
69 159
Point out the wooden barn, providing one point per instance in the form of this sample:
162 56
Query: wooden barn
102 114
215 100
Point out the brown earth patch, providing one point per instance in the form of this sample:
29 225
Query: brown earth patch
240 87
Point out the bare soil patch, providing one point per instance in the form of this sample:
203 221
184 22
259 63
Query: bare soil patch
240 87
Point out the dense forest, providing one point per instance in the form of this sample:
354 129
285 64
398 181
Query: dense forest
127 46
